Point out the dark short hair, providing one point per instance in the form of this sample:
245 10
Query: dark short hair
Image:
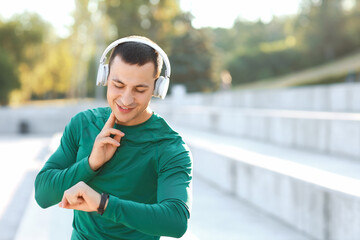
139 54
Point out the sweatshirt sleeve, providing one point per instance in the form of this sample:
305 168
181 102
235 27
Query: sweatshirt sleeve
167 217
62 171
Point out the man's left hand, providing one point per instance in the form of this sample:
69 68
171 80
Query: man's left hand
81 197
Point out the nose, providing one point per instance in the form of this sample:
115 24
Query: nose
127 98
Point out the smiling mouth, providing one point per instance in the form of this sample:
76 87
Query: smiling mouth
124 109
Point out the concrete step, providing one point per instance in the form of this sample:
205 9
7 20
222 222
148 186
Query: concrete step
217 214
337 134
316 194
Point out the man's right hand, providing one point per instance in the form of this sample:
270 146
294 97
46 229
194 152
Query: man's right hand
104 145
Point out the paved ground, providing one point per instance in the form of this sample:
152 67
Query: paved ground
20 160
215 215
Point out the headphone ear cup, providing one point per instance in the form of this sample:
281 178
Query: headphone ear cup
102 75
105 74
161 87
99 74
156 89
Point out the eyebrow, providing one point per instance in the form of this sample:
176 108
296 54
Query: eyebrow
139 85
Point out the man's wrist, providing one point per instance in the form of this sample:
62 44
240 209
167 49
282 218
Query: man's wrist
93 166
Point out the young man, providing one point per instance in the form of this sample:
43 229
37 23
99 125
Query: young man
123 170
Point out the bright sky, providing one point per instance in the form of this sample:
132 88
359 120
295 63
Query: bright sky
222 13
55 12
219 13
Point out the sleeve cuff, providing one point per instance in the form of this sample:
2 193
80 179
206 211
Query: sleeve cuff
85 164
110 210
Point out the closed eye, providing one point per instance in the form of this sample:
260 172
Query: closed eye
118 86
140 90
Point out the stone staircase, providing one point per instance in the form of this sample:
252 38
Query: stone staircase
296 159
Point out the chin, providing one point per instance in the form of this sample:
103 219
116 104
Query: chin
120 118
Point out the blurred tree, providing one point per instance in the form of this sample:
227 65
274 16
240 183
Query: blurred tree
150 18
352 29
22 36
8 77
82 44
50 77
92 69
246 37
44 64
315 27
49 67
192 57
255 50
323 31
20 39
261 65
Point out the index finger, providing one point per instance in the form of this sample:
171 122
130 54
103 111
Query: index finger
111 121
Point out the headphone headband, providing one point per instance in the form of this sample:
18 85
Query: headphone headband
139 40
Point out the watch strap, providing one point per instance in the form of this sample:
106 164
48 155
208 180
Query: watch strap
104 197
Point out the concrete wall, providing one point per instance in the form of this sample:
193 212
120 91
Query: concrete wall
331 133
324 118
41 119
335 97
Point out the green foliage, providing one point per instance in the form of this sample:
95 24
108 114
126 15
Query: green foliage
248 68
192 57
91 74
35 64
8 77
50 77
20 40
41 65
152 19
22 35
322 32
320 28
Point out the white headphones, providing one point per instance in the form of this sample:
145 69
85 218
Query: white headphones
162 83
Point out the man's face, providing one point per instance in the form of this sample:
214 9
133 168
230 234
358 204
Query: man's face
129 91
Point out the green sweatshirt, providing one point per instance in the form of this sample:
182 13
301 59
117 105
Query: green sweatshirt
148 179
